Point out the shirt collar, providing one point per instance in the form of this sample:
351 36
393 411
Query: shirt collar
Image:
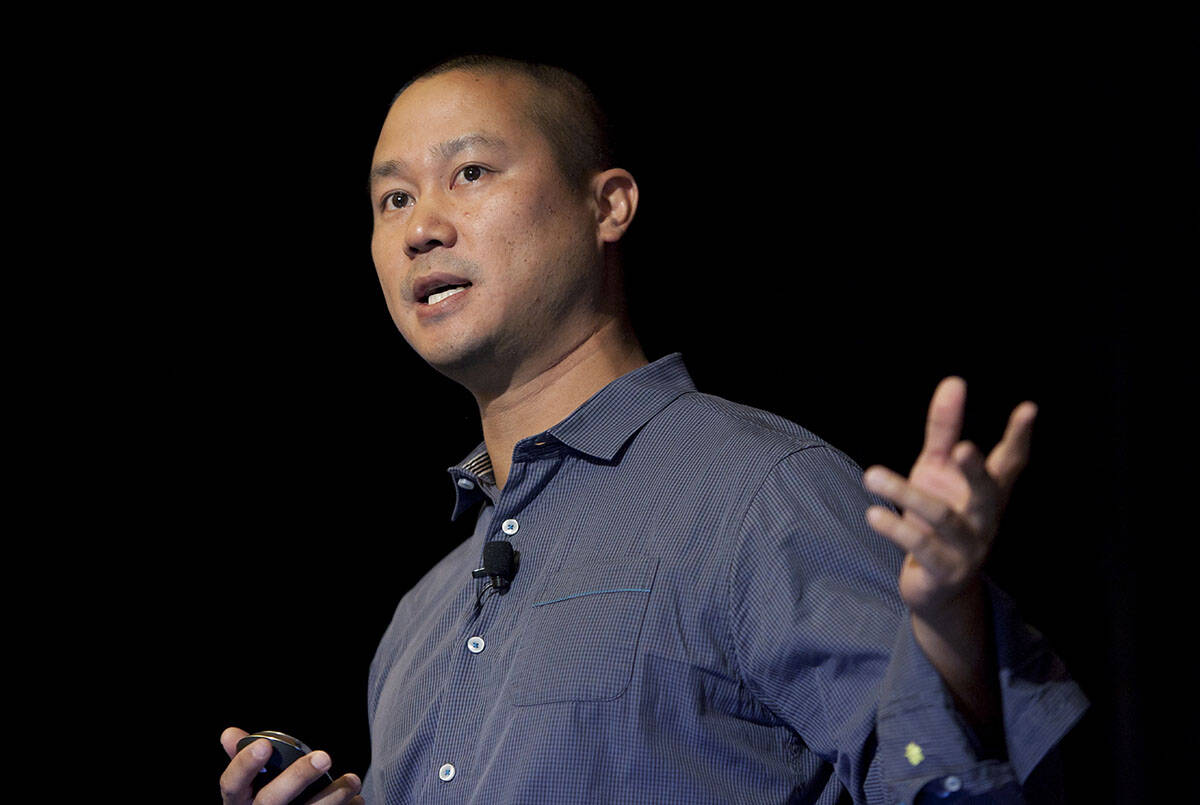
599 428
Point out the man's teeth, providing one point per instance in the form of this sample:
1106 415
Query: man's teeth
434 298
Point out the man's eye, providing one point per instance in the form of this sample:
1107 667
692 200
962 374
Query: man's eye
472 173
397 200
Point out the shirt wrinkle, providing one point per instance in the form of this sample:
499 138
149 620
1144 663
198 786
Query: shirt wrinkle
728 609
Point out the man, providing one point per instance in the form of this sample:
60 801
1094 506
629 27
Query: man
708 606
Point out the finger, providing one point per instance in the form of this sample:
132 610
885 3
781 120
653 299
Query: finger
343 791
292 781
914 538
229 739
986 501
944 424
239 774
971 462
1010 456
935 511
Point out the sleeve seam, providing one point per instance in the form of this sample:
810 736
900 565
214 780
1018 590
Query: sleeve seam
740 536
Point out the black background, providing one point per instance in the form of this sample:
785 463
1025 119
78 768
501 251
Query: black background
835 213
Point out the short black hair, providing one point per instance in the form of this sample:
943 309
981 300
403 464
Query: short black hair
566 111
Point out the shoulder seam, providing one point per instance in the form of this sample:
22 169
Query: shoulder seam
734 412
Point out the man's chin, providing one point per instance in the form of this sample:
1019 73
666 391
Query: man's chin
471 365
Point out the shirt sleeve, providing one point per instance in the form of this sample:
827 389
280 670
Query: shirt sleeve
823 640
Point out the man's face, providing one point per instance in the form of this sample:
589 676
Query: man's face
491 265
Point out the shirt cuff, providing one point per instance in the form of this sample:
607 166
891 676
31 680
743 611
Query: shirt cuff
927 751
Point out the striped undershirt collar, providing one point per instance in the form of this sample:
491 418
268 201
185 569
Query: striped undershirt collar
479 463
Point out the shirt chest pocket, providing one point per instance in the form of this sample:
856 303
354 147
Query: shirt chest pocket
581 635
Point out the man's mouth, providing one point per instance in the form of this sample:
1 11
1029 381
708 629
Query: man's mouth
438 286
441 292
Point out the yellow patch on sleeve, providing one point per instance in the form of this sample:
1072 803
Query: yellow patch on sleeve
914 754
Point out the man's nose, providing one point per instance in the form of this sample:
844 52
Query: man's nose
429 226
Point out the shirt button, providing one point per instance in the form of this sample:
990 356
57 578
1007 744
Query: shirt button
446 773
466 483
475 644
952 784
510 526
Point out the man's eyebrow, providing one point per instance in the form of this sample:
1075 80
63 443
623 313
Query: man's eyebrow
386 169
445 150
450 148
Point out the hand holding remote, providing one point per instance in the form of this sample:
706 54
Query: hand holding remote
271 768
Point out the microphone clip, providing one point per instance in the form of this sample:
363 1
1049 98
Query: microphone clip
500 565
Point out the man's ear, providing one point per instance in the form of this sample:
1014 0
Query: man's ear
616 195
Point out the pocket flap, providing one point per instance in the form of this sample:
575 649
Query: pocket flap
601 577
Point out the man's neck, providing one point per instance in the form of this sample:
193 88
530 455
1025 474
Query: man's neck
532 406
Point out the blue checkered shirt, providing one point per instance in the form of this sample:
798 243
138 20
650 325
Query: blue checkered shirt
700 615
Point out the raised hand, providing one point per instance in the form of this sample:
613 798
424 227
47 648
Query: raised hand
951 502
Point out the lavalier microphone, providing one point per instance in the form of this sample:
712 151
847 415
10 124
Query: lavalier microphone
500 564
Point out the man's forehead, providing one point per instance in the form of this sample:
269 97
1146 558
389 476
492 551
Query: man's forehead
442 115
459 92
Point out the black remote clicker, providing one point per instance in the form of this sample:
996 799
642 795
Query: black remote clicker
286 750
